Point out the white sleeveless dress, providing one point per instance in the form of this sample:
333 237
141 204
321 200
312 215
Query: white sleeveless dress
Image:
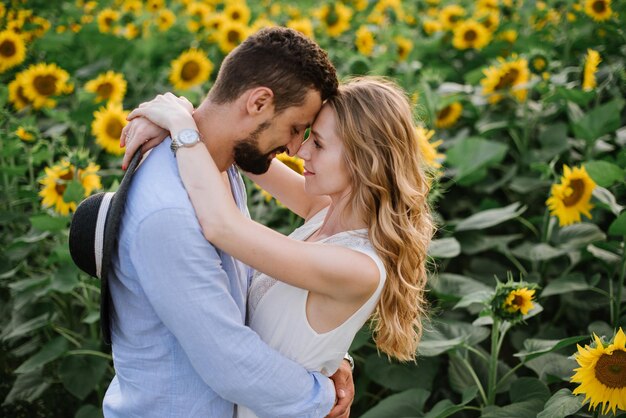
277 311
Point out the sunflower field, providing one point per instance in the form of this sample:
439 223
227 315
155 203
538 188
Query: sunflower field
520 109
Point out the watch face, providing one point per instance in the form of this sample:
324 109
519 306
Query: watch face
188 137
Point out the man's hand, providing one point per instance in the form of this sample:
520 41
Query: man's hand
344 388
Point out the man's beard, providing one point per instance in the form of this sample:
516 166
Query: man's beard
249 157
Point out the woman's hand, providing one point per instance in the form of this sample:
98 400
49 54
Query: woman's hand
151 121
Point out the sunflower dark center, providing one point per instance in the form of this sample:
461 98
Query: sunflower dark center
332 18
507 79
189 71
235 15
45 84
234 36
104 90
7 48
20 95
611 369
578 188
539 63
108 21
114 128
454 18
60 187
470 35
518 300
599 6
443 113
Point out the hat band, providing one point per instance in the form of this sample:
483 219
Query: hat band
100 224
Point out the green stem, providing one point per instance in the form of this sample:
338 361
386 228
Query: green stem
509 373
472 373
493 361
478 353
620 287
89 353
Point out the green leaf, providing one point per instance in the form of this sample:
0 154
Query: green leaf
578 236
51 351
27 387
399 377
618 226
537 252
80 374
491 217
474 155
553 367
409 403
604 173
361 338
480 297
474 242
562 404
553 140
446 408
456 286
534 347
606 197
579 97
574 282
526 388
528 408
602 120
26 327
444 248
74 192
65 278
89 411
49 223
446 335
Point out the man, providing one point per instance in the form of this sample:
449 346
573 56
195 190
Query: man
179 342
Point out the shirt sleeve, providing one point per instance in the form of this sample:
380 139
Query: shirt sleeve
182 276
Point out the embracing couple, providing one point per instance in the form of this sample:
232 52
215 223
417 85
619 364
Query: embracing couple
215 315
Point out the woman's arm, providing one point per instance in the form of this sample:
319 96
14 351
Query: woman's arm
287 186
334 271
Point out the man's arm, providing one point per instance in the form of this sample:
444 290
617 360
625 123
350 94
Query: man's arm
182 276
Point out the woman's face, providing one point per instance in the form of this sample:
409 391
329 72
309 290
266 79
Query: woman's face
325 170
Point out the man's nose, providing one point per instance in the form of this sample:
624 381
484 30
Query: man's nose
294 146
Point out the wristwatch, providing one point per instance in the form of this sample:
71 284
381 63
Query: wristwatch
185 138
350 360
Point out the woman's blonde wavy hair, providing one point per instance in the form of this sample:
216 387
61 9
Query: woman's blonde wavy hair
389 192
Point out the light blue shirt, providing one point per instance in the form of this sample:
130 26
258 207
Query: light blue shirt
180 346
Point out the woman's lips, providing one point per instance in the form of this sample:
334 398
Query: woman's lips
307 173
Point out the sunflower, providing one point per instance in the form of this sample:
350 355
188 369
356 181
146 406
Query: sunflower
3 10
295 162
602 373
16 93
404 47
190 69
490 5
303 25
43 81
165 19
132 6
591 66
448 115
12 50
55 184
598 10
508 76
214 23
107 127
106 18
230 35
432 26
335 18
451 15
428 150
509 35
519 300
155 5
24 134
364 41
237 12
571 197
470 34
538 63
390 8
109 86
199 16
489 19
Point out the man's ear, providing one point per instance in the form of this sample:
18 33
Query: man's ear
260 99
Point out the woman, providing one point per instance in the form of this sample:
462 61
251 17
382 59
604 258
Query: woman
361 252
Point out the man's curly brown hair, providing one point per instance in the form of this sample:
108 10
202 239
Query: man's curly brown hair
281 59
